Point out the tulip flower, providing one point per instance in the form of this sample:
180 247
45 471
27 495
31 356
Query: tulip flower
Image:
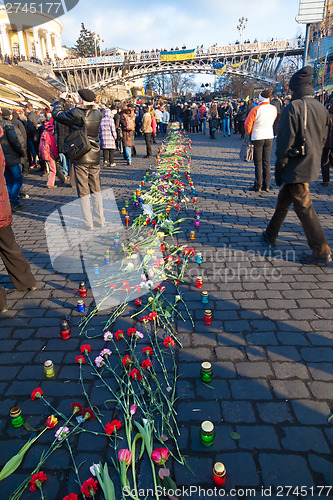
133 409
125 456
160 456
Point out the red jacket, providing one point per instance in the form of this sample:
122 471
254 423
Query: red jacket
5 210
48 146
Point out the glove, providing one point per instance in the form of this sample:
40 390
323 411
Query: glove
278 178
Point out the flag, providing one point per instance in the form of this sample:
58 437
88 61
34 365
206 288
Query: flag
177 55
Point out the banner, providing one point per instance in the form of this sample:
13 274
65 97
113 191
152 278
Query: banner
237 65
177 55
220 71
103 59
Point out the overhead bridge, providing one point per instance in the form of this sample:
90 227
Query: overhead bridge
258 60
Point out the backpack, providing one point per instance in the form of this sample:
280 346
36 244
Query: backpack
77 143
130 123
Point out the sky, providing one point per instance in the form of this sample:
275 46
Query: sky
147 24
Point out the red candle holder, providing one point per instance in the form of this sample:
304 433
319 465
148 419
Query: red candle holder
83 289
199 282
208 316
219 474
65 330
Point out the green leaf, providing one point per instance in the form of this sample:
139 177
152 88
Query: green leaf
235 435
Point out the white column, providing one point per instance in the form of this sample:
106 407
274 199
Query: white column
27 36
5 40
38 45
43 44
21 41
49 45
58 46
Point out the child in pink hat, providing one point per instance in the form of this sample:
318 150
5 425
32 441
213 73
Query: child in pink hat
48 151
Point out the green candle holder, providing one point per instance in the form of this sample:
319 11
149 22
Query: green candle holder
16 416
207 433
206 372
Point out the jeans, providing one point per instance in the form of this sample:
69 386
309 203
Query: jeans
160 127
180 121
203 125
299 196
128 154
14 181
226 126
64 163
261 157
31 151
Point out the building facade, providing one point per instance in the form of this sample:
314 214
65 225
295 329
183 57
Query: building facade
18 39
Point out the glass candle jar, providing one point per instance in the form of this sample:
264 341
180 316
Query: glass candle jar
199 282
82 289
192 235
65 330
219 474
197 222
204 297
136 204
80 306
127 220
16 416
126 204
49 369
96 269
207 433
206 372
208 316
198 257
107 257
123 211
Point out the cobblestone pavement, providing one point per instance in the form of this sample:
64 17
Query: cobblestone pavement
270 341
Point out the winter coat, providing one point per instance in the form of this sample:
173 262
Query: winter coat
194 122
146 124
5 210
259 122
12 143
153 124
165 116
107 131
48 147
20 125
290 132
241 114
83 116
128 140
61 131
32 121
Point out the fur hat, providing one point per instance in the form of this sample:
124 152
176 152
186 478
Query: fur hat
301 78
6 112
87 95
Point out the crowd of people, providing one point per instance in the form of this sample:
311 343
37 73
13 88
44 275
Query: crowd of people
69 140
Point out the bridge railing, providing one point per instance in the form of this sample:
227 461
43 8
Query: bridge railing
200 53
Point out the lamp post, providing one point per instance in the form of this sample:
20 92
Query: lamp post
241 27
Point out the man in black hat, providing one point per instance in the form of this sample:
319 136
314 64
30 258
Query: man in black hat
302 132
85 116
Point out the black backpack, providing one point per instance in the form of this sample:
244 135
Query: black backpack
77 143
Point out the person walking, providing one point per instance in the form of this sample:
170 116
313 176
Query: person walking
213 124
241 117
327 155
259 125
147 131
11 254
202 117
87 118
165 119
32 122
302 132
13 149
108 136
127 122
49 153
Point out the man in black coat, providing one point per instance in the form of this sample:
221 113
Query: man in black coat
87 168
304 117
13 149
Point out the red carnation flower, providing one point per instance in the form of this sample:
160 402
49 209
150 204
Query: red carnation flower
37 480
37 393
135 374
168 342
127 360
152 316
113 426
147 350
80 359
144 319
131 331
89 487
85 348
119 334
88 414
146 364
76 407
71 496
138 302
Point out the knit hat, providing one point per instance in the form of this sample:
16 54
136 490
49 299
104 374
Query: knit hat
301 78
87 95
265 95
6 112
48 126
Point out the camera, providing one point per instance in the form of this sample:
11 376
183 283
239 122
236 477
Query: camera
297 152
